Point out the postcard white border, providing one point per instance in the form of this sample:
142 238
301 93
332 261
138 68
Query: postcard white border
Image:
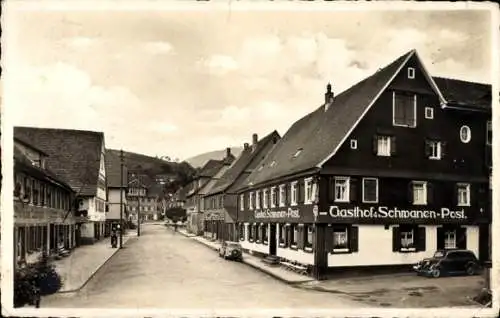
181 5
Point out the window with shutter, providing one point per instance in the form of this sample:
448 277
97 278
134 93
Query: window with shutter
300 236
293 193
421 239
340 239
294 235
353 239
404 109
282 234
370 190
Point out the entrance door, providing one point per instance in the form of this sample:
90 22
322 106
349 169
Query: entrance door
484 243
272 239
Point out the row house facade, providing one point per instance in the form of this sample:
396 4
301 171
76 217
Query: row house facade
142 203
43 207
117 180
79 157
195 217
220 202
400 161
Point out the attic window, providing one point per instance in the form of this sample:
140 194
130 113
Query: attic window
411 73
273 163
260 168
297 153
429 113
354 144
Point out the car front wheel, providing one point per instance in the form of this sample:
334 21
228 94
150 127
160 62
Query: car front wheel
436 272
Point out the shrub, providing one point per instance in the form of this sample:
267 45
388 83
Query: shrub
34 280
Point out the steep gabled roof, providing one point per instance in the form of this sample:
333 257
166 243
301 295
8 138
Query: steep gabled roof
248 156
314 136
113 170
23 163
464 93
211 168
72 154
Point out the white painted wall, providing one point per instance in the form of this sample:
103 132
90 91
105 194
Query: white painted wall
375 247
473 239
296 255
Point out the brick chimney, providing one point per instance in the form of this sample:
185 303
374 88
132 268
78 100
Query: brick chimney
246 146
255 139
328 96
228 152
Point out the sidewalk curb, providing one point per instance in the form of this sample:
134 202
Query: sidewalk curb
277 277
94 273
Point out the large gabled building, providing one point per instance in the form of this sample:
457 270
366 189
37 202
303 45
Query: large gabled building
78 157
399 161
43 214
220 203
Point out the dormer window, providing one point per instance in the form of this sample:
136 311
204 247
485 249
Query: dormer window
272 164
411 73
297 153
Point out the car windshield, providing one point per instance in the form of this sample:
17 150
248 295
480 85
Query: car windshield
233 244
438 254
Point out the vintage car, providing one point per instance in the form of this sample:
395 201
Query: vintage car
448 262
231 250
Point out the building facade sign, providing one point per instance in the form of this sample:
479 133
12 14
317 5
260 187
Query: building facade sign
281 214
384 213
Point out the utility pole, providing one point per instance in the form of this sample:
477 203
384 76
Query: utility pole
139 211
121 198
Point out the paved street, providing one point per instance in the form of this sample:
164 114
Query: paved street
164 269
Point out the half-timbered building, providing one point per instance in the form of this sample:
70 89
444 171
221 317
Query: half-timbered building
383 174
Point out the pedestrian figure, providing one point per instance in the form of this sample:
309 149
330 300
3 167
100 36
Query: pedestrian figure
175 226
114 239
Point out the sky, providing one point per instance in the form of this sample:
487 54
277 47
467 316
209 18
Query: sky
180 83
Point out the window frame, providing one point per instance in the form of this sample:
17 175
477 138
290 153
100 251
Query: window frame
308 230
242 202
344 248
308 197
467 194
394 111
424 184
347 191
265 198
411 73
438 147
282 235
411 247
354 144
429 113
294 193
446 238
257 199
388 148
376 191
469 134
250 200
273 196
294 233
282 195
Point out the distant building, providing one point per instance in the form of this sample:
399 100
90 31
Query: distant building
383 174
117 187
220 201
193 197
79 157
143 198
43 210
